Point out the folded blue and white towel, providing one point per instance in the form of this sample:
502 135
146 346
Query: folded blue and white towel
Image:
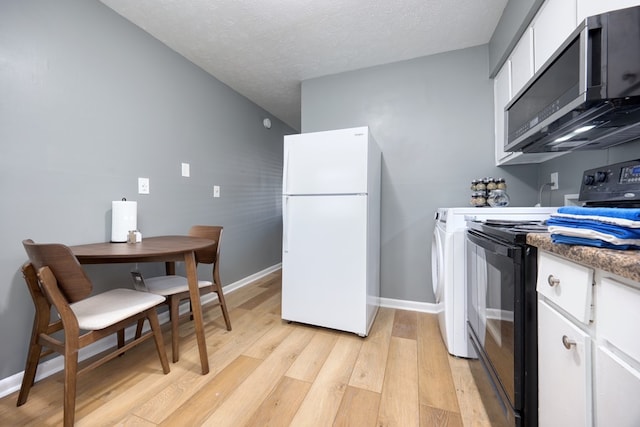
626 213
616 231
623 222
593 234
569 240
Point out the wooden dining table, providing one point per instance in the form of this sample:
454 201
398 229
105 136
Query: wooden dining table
167 249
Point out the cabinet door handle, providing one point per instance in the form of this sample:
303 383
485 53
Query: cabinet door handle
567 342
553 281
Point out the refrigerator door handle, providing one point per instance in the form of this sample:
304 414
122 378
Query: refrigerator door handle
285 174
285 226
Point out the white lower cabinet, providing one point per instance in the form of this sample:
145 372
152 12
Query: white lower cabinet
564 363
617 358
588 346
617 386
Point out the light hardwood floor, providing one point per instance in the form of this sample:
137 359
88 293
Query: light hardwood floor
267 372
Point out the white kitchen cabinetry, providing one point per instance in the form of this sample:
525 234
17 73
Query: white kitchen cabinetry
588 347
593 7
617 358
501 95
553 23
564 342
566 284
521 61
512 77
564 380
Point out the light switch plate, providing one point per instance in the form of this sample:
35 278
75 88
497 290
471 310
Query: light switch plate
185 170
216 191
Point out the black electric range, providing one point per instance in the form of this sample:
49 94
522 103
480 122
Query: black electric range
502 318
509 231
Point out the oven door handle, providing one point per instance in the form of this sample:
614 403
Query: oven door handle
489 244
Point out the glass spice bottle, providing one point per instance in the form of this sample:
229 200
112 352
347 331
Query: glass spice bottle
491 184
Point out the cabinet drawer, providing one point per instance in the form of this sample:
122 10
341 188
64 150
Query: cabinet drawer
618 316
617 388
564 385
566 284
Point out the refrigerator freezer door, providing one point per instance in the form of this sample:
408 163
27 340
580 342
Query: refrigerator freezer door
333 162
324 273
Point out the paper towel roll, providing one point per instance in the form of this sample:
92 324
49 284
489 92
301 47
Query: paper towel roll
124 217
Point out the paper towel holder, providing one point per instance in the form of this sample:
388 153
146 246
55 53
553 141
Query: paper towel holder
123 219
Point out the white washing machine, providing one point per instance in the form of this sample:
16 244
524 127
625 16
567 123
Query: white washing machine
449 266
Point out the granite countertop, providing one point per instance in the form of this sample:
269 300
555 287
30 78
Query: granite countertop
622 263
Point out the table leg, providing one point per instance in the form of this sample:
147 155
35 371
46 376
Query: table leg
196 307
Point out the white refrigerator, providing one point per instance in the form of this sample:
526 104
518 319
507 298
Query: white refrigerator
331 229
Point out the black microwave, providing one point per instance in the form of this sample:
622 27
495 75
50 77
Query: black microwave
587 95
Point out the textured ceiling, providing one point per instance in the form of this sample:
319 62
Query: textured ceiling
263 49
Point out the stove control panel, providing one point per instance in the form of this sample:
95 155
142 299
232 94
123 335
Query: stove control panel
617 184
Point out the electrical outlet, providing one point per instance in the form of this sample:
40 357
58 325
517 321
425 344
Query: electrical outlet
554 180
216 191
143 185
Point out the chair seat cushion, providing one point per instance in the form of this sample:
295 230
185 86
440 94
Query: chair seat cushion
170 285
108 308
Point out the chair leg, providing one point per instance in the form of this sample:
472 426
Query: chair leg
223 304
174 315
139 328
152 315
120 334
33 357
40 324
70 382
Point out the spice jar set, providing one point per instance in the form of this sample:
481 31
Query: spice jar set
489 192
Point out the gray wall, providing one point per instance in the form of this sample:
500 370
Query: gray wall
433 119
88 103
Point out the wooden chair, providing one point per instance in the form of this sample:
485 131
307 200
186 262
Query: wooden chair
54 277
176 289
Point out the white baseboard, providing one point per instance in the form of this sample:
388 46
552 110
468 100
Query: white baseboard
424 307
10 384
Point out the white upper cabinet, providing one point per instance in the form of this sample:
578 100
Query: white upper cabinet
501 96
593 7
553 23
521 62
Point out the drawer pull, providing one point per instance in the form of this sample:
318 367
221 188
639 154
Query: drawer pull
553 281
567 342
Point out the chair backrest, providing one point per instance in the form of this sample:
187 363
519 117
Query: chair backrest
72 280
211 254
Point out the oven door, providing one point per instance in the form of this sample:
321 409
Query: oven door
495 287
